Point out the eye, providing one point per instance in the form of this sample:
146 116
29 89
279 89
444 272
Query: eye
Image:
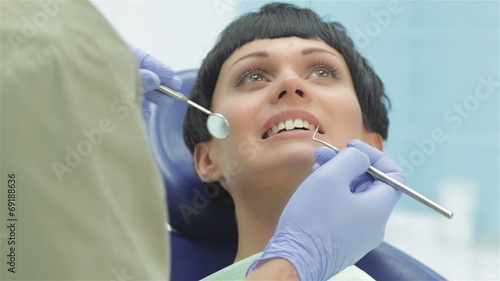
253 78
323 71
250 76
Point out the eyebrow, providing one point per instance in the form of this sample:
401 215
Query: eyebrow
316 50
264 54
254 54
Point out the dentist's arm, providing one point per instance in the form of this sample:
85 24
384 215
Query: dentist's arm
335 217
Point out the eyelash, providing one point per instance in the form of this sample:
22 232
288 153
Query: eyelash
258 70
246 72
333 71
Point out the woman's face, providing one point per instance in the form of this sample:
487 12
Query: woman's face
274 93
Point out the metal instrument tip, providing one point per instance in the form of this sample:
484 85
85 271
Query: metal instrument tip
323 142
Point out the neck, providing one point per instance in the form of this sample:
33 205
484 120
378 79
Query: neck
255 231
260 195
258 216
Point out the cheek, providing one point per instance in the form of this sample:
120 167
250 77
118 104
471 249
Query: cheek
346 120
241 112
349 111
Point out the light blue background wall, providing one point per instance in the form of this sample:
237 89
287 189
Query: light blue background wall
432 56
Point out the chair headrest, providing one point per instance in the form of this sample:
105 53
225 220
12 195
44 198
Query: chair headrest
192 209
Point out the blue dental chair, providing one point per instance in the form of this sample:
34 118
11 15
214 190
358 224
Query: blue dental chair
204 234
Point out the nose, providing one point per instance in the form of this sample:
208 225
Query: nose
289 87
297 91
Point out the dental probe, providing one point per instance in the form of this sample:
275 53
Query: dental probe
217 124
396 184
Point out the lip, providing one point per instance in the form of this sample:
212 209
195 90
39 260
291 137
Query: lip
289 114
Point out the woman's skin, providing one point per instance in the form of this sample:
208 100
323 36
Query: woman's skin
274 269
261 84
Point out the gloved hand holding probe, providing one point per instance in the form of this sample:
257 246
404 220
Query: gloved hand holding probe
153 73
338 214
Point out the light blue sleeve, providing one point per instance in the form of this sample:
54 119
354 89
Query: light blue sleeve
237 271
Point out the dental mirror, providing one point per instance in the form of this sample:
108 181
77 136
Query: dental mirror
217 124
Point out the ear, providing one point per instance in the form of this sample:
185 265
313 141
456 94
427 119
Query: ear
375 140
205 163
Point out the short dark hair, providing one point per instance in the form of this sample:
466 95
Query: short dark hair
279 20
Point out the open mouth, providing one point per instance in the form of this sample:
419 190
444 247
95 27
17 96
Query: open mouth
288 125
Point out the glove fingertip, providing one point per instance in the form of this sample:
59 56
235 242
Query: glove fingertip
323 155
173 82
356 143
138 53
149 80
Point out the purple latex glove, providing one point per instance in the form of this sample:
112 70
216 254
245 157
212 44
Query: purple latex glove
338 214
153 72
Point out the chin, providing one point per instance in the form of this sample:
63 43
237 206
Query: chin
281 169
291 157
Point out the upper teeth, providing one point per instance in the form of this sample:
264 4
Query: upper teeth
288 125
